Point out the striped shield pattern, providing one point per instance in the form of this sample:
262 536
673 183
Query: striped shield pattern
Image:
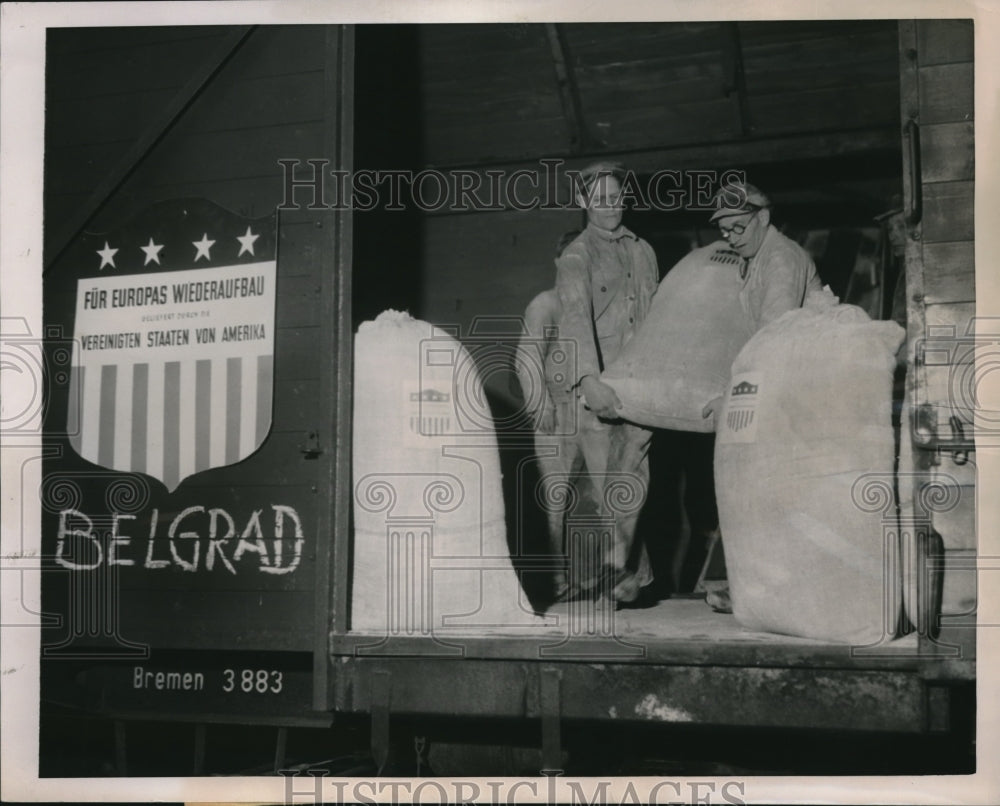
739 424
173 344
739 419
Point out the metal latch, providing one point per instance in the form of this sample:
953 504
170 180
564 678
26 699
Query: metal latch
926 436
310 448
960 456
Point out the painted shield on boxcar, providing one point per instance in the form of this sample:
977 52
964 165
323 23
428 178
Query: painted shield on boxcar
173 358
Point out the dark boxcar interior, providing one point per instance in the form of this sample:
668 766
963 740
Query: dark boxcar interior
821 138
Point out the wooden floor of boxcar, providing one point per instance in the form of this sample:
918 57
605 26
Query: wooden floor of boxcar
677 630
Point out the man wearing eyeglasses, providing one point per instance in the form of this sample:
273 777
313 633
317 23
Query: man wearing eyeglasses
777 273
777 276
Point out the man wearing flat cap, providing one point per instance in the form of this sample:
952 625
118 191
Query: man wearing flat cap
777 273
777 276
605 279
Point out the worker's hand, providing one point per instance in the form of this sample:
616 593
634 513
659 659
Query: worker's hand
545 419
600 398
712 409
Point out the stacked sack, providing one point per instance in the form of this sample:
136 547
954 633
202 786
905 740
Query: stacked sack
430 546
803 467
679 359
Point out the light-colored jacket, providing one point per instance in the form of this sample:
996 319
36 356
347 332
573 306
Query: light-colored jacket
604 281
778 279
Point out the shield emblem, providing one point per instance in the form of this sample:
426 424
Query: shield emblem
173 357
740 422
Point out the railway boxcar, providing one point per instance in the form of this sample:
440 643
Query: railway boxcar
197 491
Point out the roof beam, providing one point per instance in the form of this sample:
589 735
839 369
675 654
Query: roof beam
735 87
718 155
738 154
569 93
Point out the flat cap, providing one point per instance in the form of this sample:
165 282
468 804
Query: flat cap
598 169
736 198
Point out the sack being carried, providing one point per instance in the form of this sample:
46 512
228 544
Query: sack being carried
804 477
679 359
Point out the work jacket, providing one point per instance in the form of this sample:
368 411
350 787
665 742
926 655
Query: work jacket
777 279
604 281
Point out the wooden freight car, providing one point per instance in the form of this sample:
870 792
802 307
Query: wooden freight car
222 595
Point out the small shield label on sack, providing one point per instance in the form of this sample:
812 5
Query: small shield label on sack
429 410
740 422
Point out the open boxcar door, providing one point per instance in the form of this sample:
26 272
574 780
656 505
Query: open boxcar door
938 463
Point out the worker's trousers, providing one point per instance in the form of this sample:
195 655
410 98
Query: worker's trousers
593 480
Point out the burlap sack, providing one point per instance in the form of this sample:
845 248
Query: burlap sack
430 549
679 359
804 472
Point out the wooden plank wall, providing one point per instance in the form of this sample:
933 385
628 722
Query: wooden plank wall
643 84
519 116
485 266
491 92
490 98
266 103
945 116
811 77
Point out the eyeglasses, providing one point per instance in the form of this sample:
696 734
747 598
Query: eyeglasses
736 229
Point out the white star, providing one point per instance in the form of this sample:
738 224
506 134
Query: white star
107 256
152 251
246 242
203 246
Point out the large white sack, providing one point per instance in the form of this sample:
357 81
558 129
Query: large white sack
679 359
430 548
803 467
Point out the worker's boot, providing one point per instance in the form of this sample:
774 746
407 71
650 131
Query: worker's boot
713 579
